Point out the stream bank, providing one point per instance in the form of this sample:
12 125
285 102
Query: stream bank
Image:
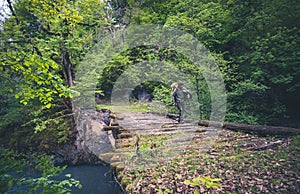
81 153
87 141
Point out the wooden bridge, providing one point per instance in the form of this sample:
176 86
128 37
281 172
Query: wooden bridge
145 139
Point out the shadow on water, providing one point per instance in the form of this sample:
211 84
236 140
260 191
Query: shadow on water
95 179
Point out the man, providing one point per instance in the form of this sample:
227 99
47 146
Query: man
179 95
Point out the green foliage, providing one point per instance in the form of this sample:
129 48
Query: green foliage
296 142
256 47
255 44
33 126
210 183
165 191
151 144
163 94
242 117
41 44
38 78
32 173
129 65
145 148
249 93
55 123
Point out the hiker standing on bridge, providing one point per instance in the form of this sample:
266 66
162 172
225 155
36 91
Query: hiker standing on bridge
179 95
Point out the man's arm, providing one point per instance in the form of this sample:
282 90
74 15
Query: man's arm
174 96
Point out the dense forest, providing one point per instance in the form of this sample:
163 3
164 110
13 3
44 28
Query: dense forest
43 43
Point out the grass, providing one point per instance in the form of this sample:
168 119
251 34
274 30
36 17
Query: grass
132 107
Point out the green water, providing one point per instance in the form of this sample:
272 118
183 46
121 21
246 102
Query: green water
95 179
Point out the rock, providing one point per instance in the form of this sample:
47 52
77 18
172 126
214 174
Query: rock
89 140
106 157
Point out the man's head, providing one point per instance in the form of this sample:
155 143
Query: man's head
177 84
174 85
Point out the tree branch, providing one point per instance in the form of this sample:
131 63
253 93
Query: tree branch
48 31
10 6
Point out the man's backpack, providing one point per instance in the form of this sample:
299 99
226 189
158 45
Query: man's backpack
187 94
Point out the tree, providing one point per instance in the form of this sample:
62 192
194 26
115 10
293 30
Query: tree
254 43
42 42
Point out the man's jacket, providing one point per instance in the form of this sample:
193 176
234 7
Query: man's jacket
180 94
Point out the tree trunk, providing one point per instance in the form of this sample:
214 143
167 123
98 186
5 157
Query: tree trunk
256 129
68 74
68 68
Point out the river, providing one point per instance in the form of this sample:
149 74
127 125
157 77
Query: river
95 179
